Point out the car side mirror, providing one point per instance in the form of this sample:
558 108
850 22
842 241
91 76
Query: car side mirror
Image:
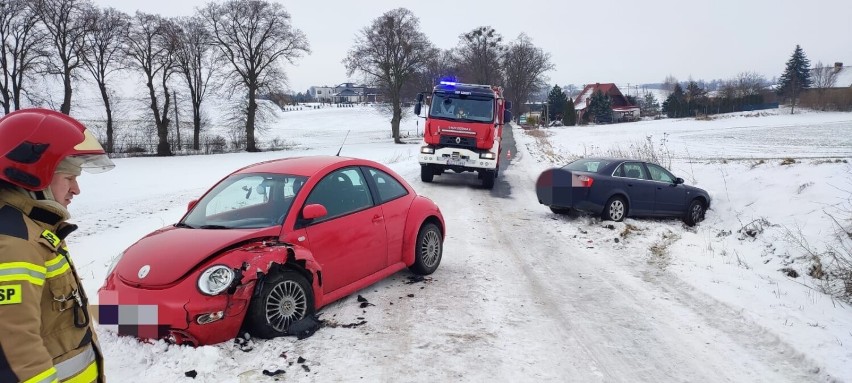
508 105
507 116
314 211
191 204
417 107
678 181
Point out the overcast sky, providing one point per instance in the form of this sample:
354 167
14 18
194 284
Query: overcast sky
589 41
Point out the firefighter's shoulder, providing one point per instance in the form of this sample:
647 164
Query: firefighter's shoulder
12 223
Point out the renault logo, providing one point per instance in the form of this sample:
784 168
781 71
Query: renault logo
143 272
458 140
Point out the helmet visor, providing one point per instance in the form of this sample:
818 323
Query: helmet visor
92 163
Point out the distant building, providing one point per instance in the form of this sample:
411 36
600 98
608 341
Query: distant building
345 93
622 110
843 75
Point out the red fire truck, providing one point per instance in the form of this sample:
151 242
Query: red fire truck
464 125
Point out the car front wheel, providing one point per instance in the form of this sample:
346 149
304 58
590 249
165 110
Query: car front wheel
615 209
285 297
695 213
428 250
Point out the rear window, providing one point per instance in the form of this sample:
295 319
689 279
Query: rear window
587 165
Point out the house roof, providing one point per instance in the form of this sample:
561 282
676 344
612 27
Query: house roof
618 99
347 92
844 77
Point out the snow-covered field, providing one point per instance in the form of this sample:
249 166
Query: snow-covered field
523 294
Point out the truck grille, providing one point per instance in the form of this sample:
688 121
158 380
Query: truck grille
458 141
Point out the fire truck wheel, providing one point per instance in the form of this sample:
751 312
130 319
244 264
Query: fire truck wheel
488 179
426 173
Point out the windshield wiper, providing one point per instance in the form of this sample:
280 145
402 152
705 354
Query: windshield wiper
213 227
181 224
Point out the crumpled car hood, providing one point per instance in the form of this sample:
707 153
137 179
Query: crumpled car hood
172 252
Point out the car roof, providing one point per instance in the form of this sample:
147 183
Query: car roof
302 166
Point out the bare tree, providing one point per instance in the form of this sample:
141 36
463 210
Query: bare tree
63 23
524 65
390 52
103 43
442 65
20 51
480 51
195 63
669 85
150 49
750 84
253 36
824 77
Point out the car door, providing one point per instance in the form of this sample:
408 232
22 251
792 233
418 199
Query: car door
639 188
351 241
669 197
394 199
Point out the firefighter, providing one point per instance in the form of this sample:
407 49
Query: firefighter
46 332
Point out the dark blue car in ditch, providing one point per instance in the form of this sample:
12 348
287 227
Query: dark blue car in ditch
619 188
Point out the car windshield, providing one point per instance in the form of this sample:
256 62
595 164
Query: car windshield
587 165
245 201
462 107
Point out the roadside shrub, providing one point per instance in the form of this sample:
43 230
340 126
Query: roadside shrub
646 150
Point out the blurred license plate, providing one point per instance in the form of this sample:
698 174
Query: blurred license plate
456 161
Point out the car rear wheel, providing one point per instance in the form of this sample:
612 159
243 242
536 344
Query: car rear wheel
695 213
428 250
426 173
560 210
615 209
284 298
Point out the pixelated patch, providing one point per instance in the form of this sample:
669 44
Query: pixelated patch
10 294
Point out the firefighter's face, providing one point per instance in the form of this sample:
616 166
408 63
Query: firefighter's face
64 187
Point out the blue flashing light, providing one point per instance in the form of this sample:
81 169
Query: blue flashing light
449 80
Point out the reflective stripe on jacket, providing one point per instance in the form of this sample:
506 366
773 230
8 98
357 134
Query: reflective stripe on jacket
45 333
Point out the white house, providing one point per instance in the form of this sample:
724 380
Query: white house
345 92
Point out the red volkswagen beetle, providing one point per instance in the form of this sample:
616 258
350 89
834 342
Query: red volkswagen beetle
270 244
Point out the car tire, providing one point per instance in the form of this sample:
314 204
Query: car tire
560 210
488 179
426 173
695 213
615 209
285 297
427 250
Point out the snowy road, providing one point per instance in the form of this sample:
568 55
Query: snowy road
593 322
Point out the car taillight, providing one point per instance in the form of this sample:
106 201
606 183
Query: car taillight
585 181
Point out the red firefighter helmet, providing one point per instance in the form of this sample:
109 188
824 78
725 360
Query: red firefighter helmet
34 141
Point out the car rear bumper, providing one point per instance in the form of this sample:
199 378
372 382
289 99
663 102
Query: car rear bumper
557 188
177 314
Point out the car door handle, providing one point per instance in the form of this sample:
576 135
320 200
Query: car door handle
377 218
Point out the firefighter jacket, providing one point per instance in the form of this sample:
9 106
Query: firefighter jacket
46 334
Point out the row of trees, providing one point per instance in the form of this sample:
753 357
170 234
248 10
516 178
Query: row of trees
239 44
397 57
749 89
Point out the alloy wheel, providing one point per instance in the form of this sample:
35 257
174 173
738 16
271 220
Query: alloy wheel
287 303
430 247
616 210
